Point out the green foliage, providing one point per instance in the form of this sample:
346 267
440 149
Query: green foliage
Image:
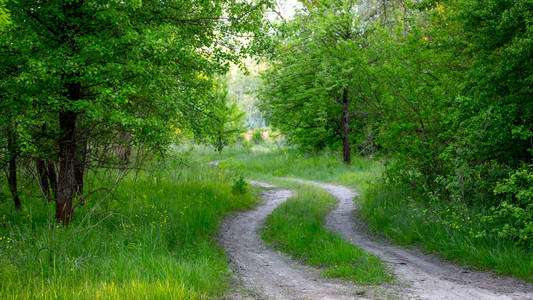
4 16
297 227
240 186
462 234
318 79
513 217
257 137
151 238
218 121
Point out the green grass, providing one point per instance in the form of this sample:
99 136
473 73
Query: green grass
296 227
152 238
439 229
270 163
387 210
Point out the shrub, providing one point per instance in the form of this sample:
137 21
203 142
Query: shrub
257 137
513 217
239 187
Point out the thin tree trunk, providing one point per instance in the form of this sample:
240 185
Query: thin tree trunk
79 164
384 11
67 153
12 167
43 178
124 149
346 148
52 178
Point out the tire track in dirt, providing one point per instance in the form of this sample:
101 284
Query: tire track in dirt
265 273
421 276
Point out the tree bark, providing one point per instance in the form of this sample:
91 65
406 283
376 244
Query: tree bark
42 172
52 178
12 167
346 148
67 153
79 164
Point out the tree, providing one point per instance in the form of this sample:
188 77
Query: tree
100 69
316 91
215 118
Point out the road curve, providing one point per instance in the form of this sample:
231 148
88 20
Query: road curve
421 276
263 272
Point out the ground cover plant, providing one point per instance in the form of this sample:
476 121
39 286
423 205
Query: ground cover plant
151 238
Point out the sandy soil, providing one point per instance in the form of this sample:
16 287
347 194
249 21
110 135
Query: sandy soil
263 273
421 276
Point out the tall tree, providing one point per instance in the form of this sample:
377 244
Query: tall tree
316 89
119 67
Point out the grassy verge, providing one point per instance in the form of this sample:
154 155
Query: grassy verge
152 238
439 229
296 227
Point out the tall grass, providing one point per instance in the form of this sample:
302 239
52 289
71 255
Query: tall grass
286 162
443 229
152 238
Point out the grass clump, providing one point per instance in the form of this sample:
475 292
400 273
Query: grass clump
297 227
152 238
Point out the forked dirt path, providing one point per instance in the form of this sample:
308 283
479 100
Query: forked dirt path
265 273
421 276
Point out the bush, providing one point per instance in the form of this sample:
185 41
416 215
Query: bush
239 187
257 137
513 217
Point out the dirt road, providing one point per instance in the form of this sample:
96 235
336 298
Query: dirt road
422 276
266 274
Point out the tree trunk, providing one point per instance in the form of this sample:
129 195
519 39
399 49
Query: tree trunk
67 150
346 148
12 166
124 149
384 11
43 178
67 153
79 164
52 178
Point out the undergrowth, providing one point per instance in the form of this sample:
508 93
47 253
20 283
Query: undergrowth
444 229
152 238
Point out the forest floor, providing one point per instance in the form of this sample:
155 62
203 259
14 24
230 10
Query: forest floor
265 273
